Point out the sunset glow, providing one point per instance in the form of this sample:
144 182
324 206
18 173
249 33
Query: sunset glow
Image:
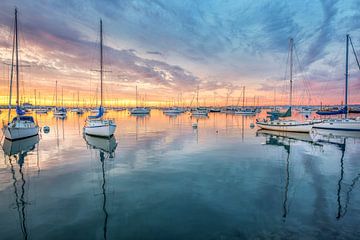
168 53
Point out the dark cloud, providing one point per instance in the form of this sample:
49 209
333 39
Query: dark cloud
154 53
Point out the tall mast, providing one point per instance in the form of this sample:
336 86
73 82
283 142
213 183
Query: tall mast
243 96
346 74
136 93
12 72
197 96
56 96
291 69
35 96
214 98
17 58
78 100
101 64
62 96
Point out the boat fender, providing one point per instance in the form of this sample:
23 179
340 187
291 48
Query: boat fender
252 125
46 129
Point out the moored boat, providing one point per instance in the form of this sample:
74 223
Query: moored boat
97 125
139 110
343 124
199 111
21 126
287 125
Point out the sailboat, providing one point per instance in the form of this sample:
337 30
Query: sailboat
198 111
172 111
243 110
78 110
59 111
139 110
97 125
342 124
277 124
21 126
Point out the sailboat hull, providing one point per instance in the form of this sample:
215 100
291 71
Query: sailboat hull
339 125
140 111
286 127
15 133
100 129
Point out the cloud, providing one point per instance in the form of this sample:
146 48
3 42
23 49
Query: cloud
154 53
242 42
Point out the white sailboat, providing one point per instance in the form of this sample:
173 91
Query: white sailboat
97 125
199 111
172 110
78 110
139 110
21 126
342 124
287 125
243 110
59 111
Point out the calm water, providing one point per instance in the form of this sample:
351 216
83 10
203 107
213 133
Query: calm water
160 179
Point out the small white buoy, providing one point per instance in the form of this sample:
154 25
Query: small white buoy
46 129
252 125
194 125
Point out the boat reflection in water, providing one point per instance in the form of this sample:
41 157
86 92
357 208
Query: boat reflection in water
325 135
106 148
285 139
339 139
17 151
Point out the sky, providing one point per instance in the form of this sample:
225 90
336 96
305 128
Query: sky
168 48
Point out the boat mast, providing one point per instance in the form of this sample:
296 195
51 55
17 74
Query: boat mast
35 96
12 70
291 69
136 93
243 96
214 98
56 96
101 64
62 96
78 100
197 96
346 74
17 59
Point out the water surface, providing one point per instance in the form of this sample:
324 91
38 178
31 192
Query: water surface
158 178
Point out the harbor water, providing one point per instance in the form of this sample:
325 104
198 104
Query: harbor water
160 178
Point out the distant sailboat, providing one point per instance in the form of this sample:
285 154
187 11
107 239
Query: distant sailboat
199 111
78 110
342 124
139 110
21 126
276 124
173 110
97 125
59 111
243 110
38 109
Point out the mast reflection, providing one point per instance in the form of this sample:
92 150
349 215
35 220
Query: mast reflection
18 150
339 139
106 148
285 139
